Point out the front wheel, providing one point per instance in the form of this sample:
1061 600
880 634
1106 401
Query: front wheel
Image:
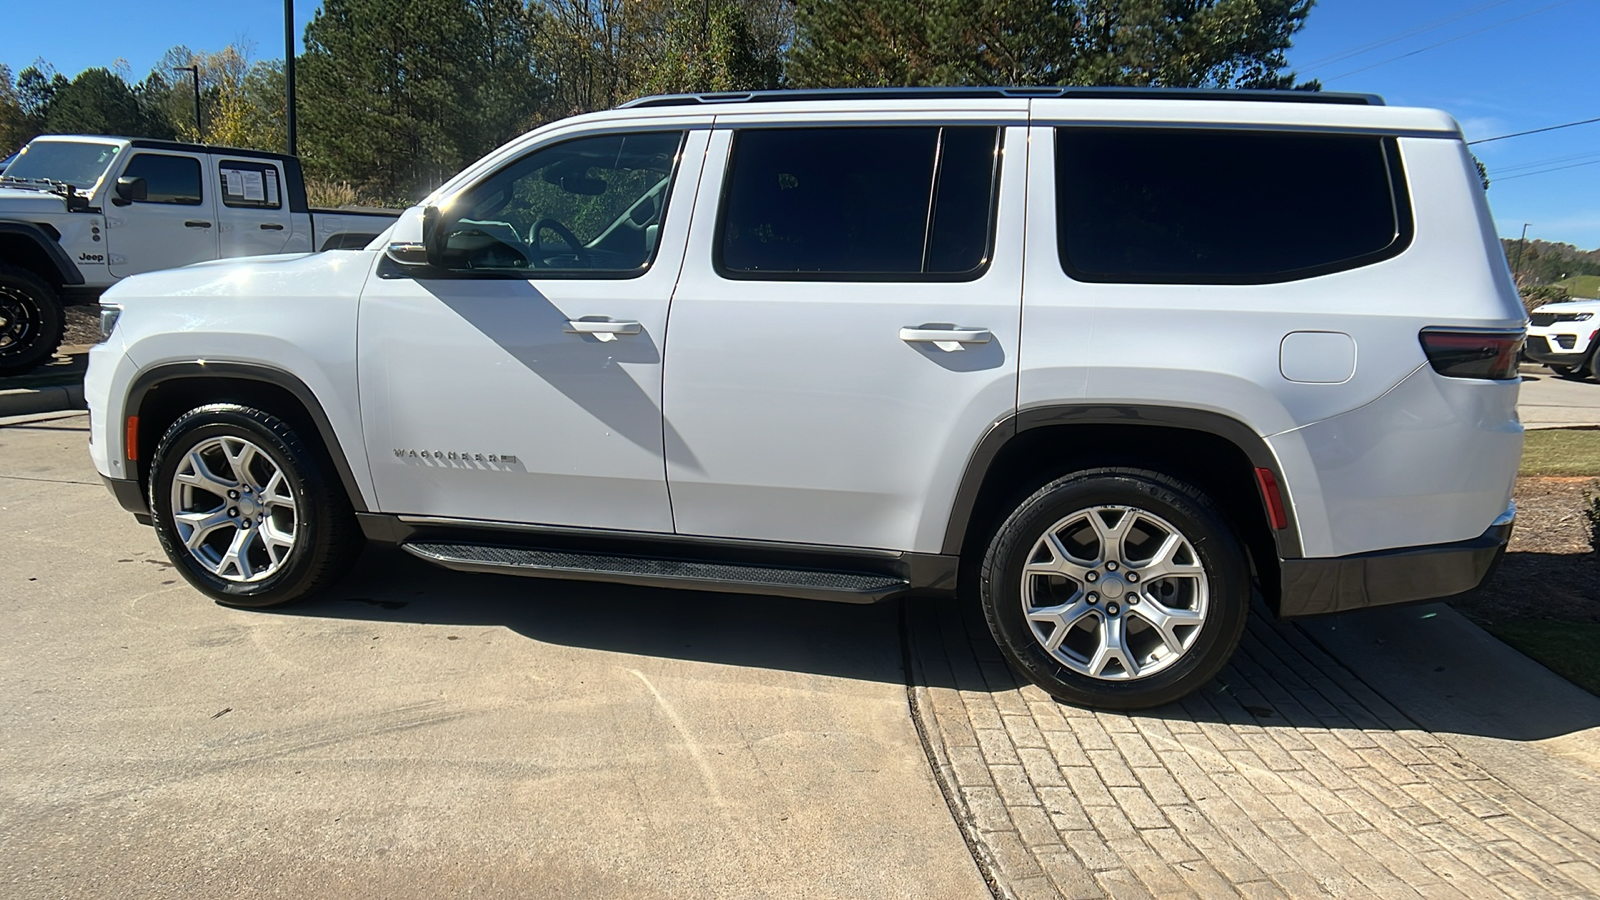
246 510
1575 373
1116 589
31 322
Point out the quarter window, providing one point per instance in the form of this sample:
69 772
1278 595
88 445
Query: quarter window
1157 205
854 204
586 206
167 179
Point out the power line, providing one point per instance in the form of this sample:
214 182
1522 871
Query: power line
1384 42
1384 62
1591 162
1546 162
1502 137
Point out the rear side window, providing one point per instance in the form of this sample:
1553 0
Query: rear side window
167 179
859 204
252 185
1170 206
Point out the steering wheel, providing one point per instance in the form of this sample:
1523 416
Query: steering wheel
562 232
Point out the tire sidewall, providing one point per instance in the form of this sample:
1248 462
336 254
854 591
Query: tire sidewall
1214 543
269 434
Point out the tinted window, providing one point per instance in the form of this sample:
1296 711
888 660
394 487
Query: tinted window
864 202
1165 205
167 179
252 185
592 204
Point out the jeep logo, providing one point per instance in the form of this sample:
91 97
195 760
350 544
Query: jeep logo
91 257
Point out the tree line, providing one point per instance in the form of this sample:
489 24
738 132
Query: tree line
395 97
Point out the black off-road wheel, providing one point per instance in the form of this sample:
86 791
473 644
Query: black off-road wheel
249 512
31 321
1116 589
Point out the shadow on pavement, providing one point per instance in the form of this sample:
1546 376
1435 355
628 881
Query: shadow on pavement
1407 668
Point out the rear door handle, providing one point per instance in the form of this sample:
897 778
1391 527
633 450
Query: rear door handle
195 223
602 329
946 337
271 226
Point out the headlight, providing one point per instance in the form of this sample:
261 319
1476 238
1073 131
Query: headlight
108 319
1583 317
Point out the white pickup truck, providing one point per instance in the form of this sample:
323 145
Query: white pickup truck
79 213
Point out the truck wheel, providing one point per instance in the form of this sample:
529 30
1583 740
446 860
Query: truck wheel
1116 589
246 510
31 323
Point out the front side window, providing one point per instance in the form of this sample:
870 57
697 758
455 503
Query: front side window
589 205
1175 206
167 179
859 203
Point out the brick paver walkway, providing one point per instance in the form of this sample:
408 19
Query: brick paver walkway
1286 777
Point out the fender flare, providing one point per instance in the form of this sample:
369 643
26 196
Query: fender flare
65 268
182 371
1235 432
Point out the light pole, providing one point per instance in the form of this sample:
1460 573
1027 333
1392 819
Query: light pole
195 71
288 70
1516 268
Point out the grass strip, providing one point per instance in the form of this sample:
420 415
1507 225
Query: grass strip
1569 649
1561 451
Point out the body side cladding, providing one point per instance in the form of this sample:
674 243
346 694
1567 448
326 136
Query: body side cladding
1314 587
65 269
170 372
1240 435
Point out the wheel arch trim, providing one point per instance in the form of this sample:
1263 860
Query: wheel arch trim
186 371
65 268
1002 433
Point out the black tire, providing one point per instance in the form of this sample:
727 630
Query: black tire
31 321
326 538
1574 373
1216 549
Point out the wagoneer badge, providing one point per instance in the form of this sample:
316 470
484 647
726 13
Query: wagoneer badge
452 457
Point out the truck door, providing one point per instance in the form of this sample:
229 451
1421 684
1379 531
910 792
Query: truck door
253 220
174 225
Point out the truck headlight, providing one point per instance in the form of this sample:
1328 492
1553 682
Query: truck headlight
108 319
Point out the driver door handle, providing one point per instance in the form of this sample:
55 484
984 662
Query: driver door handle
947 338
196 223
602 329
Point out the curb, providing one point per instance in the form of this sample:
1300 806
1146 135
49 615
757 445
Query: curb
27 401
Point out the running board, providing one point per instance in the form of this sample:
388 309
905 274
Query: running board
739 578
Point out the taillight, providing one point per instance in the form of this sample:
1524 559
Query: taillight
1473 354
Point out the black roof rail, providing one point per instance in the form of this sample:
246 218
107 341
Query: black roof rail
808 95
180 146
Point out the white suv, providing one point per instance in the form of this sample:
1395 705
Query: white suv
1103 361
1563 337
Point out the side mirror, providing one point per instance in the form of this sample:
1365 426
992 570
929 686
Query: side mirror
427 252
129 189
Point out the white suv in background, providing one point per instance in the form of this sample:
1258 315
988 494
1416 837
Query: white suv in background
1100 360
1562 336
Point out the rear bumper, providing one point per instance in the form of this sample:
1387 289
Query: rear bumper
1313 587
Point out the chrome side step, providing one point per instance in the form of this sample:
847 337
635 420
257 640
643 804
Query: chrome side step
743 578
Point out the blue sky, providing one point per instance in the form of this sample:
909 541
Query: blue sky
1502 66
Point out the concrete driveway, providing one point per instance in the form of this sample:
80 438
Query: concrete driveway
426 734
1550 402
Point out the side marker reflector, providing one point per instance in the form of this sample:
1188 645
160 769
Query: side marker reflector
1269 493
131 447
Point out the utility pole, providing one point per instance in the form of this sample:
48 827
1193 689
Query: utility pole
1516 268
199 133
288 71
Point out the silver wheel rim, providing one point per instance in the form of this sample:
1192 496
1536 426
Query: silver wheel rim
234 509
1115 593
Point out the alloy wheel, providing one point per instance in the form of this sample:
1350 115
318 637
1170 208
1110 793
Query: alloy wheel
1115 593
234 509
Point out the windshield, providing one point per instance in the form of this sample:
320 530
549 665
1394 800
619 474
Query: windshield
77 163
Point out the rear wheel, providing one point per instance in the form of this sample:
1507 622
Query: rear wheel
1116 589
31 323
246 510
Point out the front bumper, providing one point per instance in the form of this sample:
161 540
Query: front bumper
129 497
1539 349
1313 587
